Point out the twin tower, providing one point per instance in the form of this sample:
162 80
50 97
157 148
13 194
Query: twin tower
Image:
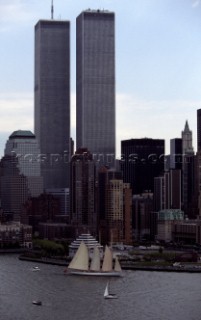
95 91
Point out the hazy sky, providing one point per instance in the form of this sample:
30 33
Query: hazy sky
158 65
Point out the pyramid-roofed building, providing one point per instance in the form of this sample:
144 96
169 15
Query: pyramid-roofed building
90 242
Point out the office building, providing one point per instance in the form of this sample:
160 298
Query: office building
83 209
20 171
52 100
114 199
95 84
199 130
119 211
198 161
172 190
176 153
63 195
142 161
166 221
143 217
188 173
167 191
159 193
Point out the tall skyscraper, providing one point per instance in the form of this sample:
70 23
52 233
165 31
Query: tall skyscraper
188 172
95 84
52 99
187 140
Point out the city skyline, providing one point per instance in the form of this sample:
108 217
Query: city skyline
157 70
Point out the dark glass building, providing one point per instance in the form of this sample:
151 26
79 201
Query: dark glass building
189 173
83 205
95 84
198 129
142 161
176 153
52 99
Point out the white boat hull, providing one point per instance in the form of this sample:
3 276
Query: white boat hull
94 273
110 296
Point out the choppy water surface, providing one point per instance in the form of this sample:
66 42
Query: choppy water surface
141 295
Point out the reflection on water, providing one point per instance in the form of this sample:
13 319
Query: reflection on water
141 295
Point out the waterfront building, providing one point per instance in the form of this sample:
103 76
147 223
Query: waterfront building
20 171
119 211
44 208
56 231
165 223
143 217
83 205
142 161
52 100
15 235
89 241
185 231
167 193
95 84
114 207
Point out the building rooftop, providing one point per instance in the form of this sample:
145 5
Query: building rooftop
97 10
22 134
88 239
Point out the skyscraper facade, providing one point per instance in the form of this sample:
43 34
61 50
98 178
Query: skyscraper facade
114 207
198 156
142 161
198 129
52 99
176 153
188 171
95 84
83 208
20 176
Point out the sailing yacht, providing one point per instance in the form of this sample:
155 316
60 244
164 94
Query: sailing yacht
108 295
80 263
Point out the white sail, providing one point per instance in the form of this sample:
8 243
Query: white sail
95 262
107 261
117 266
106 293
80 260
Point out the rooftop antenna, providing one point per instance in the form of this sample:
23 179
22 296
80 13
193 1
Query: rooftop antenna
52 11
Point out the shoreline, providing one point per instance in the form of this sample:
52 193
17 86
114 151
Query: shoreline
127 266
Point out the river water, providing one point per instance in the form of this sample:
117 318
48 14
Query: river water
142 295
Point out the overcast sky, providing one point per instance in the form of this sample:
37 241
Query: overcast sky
158 65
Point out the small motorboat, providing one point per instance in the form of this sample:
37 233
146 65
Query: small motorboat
35 269
37 302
